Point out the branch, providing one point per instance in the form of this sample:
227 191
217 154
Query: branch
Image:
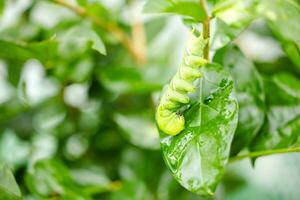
206 27
265 153
112 28
138 35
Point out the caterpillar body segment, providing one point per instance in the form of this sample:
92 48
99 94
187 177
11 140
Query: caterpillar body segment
168 118
170 122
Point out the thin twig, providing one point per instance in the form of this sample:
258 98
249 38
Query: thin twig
138 35
206 27
112 28
265 153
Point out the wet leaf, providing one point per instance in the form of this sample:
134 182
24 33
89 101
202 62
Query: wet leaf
197 156
249 92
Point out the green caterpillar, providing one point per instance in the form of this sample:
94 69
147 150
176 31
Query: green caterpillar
168 117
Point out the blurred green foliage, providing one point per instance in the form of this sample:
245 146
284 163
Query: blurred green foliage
77 100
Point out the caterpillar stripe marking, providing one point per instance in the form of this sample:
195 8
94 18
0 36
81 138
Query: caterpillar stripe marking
168 117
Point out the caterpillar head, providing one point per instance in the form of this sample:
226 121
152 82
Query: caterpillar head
169 122
196 44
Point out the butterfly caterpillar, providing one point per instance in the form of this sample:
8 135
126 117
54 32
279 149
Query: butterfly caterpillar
168 117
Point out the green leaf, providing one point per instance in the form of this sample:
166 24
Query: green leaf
82 2
169 189
44 51
154 27
50 178
283 17
293 52
2 6
132 190
236 13
189 8
233 16
81 71
198 155
13 150
122 80
140 164
282 125
98 10
250 95
9 189
93 179
222 34
139 129
78 37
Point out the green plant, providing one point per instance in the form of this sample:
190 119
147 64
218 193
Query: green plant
194 156
83 112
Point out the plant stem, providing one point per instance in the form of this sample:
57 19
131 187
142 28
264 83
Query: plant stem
205 28
265 153
112 28
138 35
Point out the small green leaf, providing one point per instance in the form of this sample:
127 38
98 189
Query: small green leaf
283 17
9 189
236 13
198 155
250 95
139 164
81 34
154 27
97 9
122 80
13 150
2 6
139 129
43 51
132 190
189 8
282 126
81 71
222 34
233 16
293 52
50 178
92 179
82 2
170 189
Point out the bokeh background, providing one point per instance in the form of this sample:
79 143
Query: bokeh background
78 124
